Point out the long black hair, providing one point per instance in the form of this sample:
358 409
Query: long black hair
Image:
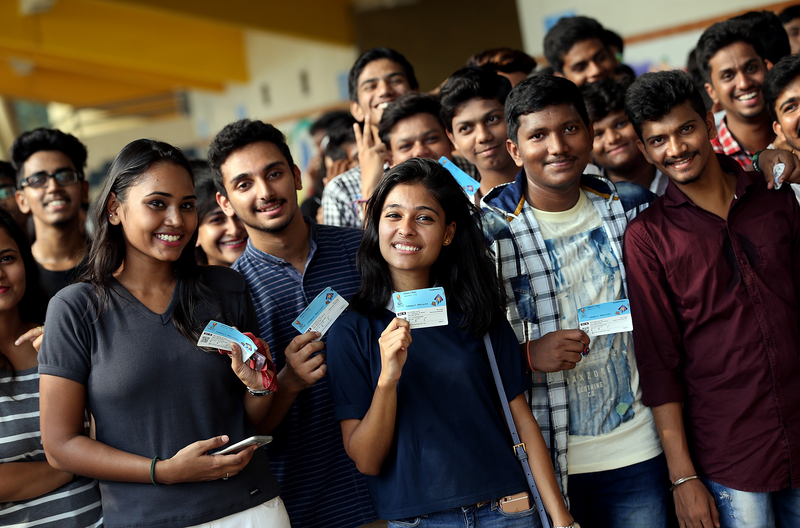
463 268
32 306
108 247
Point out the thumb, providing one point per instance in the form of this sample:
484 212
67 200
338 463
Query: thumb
211 443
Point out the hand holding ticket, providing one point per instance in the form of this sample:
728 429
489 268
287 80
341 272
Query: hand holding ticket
606 318
421 308
320 315
220 336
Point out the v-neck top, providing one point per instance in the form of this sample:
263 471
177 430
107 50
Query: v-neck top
152 393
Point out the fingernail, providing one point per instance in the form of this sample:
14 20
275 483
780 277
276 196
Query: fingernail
16 342
224 438
317 334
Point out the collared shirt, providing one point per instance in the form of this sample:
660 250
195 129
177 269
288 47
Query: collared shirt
319 483
524 266
340 199
716 326
726 144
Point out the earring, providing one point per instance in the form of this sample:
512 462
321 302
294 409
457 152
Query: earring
446 242
114 219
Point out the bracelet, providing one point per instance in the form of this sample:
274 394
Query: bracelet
153 471
681 481
528 357
755 161
263 392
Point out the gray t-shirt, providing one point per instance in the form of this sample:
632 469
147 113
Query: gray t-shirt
153 393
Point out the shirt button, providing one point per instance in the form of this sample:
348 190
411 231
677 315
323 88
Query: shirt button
756 301
769 342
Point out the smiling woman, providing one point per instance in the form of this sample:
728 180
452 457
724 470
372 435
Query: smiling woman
121 342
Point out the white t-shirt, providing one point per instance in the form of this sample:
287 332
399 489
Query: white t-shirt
609 426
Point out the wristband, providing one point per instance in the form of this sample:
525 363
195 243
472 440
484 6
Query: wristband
264 392
755 161
681 481
153 471
528 357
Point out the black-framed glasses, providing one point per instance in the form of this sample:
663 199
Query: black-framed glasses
7 191
63 178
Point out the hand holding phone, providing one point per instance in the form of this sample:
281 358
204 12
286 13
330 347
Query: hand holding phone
247 442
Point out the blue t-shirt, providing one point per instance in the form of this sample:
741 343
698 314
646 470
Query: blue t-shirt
452 447
320 485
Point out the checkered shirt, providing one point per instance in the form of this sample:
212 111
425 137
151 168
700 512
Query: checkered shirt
726 144
340 198
523 265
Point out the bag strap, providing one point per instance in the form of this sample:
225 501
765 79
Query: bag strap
519 450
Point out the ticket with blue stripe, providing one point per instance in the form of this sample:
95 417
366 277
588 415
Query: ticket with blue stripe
421 308
606 318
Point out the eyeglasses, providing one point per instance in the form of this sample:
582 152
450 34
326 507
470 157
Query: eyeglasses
7 191
63 179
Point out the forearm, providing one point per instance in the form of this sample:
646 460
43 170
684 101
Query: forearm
28 480
539 460
370 441
281 403
257 408
669 422
83 456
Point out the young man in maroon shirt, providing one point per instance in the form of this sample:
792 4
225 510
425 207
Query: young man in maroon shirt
714 282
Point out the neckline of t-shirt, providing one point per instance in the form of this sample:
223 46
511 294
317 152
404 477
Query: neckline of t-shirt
562 216
162 318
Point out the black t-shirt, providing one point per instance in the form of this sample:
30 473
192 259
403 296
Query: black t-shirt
153 393
54 281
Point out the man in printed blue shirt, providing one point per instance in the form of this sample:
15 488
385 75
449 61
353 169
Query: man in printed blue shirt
288 261
556 237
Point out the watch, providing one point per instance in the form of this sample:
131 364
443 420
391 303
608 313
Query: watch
262 392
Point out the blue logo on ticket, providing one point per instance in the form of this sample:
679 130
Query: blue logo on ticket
218 335
321 313
467 183
606 318
421 308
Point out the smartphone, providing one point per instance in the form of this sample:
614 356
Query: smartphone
516 503
247 442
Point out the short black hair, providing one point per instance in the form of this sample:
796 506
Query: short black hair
377 54
472 82
612 38
37 140
506 60
329 120
767 27
654 95
238 135
777 79
7 169
536 93
405 106
604 97
789 14
567 31
722 35
697 78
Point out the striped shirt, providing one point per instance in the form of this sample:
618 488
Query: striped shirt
319 483
523 264
75 504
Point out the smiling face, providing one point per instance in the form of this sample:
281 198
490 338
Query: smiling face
588 61
261 187
737 73
52 204
479 133
679 144
412 231
380 82
614 146
158 216
12 273
787 108
419 136
222 238
554 146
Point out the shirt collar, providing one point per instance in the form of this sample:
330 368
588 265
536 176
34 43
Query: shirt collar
253 252
674 197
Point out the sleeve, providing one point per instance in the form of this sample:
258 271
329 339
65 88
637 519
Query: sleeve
509 361
67 343
349 375
337 209
656 330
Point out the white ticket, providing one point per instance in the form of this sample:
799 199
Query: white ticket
421 308
606 318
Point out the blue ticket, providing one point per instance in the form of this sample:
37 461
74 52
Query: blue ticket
321 313
218 335
421 308
606 318
467 183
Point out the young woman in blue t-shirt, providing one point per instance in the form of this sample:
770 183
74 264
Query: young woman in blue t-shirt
418 409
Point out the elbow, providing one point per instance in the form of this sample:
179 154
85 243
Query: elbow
371 470
54 461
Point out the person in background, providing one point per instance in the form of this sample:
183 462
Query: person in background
32 492
220 238
790 18
122 342
53 189
512 64
8 201
576 49
339 156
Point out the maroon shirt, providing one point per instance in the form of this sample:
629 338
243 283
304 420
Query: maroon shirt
716 326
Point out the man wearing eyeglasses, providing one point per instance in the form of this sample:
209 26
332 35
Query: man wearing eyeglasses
51 187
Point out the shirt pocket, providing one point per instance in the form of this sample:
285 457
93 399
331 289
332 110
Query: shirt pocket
524 298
